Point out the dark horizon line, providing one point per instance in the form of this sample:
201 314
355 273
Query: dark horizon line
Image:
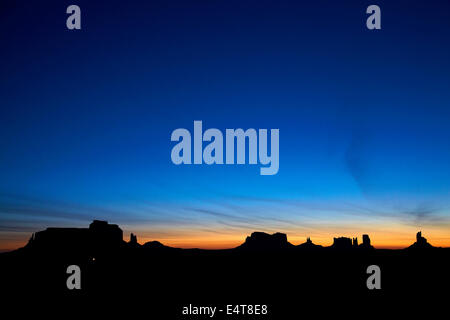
259 240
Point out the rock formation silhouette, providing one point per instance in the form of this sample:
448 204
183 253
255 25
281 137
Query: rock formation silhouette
264 266
421 242
264 241
133 241
366 242
342 243
309 245
100 236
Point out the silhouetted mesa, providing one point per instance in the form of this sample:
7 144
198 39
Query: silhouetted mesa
421 242
103 237
260 268
99 236
342 243
347 243
264 241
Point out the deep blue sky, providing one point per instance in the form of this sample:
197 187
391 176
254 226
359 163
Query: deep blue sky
86 116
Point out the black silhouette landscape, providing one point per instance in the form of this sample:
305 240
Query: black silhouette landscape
265 269
102 237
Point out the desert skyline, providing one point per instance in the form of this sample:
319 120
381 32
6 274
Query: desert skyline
390 236
363 116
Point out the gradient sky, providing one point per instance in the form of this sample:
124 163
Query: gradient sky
86 118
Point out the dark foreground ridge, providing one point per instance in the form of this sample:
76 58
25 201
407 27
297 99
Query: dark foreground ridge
265 269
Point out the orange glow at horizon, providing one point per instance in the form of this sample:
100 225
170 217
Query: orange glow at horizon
232 242
387 237
384 236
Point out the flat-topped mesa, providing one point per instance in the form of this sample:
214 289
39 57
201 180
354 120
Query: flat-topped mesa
264 241
105 235
99 236
351 243
342 243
